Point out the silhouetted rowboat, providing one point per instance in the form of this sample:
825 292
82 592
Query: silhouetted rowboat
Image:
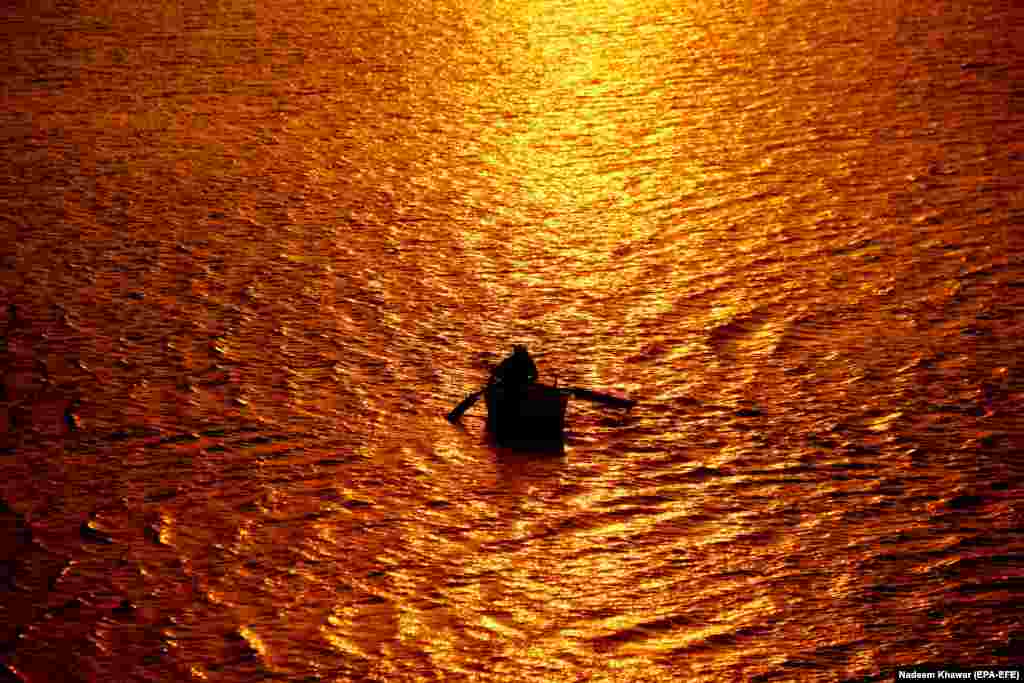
535 413
530 413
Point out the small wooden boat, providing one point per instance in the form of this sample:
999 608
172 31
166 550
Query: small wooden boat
534 413
530 415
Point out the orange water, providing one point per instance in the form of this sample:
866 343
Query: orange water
254 252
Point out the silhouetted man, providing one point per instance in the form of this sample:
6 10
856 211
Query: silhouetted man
517 371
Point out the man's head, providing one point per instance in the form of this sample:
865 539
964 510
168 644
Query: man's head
519 349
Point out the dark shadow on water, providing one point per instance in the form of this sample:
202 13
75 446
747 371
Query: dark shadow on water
528 466
527 448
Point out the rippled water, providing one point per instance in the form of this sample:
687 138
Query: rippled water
254 252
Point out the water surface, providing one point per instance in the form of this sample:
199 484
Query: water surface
255 253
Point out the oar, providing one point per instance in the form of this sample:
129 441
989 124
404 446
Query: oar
598 397
466 404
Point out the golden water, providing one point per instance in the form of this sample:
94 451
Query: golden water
254 252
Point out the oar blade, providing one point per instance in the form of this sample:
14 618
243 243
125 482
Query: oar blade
598 397
465 405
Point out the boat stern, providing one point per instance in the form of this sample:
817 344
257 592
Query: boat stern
532 414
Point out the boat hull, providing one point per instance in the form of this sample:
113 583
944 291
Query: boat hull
530 415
